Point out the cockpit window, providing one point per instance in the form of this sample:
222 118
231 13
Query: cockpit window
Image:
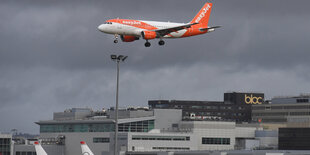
108 23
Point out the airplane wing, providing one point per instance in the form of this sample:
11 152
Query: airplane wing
163 32
39 149
85 149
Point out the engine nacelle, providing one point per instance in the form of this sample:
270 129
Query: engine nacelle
148 35
211 30
127 38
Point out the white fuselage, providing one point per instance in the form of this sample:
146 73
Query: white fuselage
136 29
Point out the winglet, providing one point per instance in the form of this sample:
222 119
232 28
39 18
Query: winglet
39 149
85 149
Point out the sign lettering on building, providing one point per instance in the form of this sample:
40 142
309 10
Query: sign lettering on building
252 99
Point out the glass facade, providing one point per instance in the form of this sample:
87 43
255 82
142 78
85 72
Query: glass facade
25 153
234 108
170 148
216 141
101 140
166 138
294 138
140 126
5 146
76 128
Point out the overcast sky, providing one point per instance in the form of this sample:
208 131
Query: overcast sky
52 57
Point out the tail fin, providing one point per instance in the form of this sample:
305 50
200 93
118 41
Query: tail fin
39 149
203 15
85 149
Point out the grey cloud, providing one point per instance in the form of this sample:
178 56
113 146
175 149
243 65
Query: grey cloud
52 56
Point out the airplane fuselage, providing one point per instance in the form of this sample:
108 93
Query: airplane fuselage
135 27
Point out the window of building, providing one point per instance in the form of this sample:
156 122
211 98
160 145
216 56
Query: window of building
140 126
24 153
164 138
5 146
216 141
101 140
170 148
107 127
303 100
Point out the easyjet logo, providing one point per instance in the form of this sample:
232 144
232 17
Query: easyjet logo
132 22
203 13
252 99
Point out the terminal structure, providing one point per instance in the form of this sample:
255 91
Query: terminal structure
242 121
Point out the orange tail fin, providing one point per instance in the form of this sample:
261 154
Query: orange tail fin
203 15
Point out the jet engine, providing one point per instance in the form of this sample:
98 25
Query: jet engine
211 30
127 38
149 35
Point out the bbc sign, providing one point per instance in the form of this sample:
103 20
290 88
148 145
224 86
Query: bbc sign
250 99
244 98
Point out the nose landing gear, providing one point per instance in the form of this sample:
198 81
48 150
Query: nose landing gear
116 37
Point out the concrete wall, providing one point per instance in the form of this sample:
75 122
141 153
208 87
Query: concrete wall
164 118
245 132
147 145
130 114
72 142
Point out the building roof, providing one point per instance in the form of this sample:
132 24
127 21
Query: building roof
89 121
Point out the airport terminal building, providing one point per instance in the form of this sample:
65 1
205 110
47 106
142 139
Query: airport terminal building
237 123
157 130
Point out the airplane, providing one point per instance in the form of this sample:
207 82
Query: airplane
131 30
39 149
85 149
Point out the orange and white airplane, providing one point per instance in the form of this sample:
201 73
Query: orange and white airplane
131 30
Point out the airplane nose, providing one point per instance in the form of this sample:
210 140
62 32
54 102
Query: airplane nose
101 27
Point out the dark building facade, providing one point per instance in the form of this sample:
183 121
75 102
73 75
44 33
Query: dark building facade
235 107
5 144
294 139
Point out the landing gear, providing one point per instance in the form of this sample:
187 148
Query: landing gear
116 37
147 44
161 43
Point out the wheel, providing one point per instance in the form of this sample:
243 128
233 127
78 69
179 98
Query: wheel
115 41
161 42
147 44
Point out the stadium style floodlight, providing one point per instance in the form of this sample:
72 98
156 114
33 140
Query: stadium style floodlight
117 59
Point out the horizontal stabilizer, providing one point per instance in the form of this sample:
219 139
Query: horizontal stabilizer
209 28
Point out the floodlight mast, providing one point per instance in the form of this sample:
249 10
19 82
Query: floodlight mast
117 59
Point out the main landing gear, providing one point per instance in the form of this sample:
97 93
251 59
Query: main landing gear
116 37
147 44
160 43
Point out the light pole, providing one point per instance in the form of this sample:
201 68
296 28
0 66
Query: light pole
117 58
